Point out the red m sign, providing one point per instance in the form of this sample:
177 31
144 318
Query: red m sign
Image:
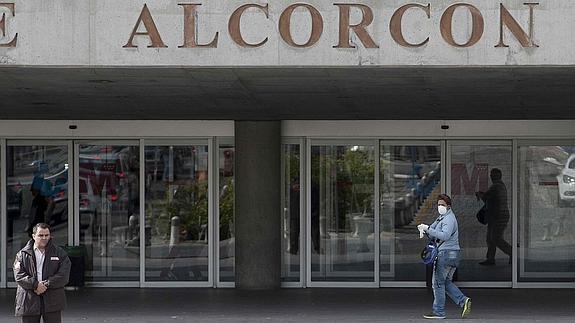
463 184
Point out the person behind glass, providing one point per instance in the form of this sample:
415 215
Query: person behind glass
41 270
444 229
41 197
294 211
497 215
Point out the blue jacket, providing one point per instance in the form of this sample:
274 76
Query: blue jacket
445 230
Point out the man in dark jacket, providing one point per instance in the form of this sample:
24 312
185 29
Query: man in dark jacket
497 214
41 270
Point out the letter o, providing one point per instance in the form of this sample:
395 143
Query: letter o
316 25
446 25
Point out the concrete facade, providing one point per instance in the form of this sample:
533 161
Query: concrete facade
257 214
95 33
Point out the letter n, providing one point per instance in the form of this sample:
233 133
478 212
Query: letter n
506 19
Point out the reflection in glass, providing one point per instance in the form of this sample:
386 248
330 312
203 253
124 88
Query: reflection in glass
410 181
177 213
342 223
486 249
37 191
226 211
108 186
546 213
291 213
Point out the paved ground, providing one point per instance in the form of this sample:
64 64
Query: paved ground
301 305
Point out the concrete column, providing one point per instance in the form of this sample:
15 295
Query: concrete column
258 204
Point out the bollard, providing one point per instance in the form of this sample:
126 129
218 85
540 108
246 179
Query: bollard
399 207
174 231
132 227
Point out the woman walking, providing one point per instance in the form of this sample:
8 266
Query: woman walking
446 233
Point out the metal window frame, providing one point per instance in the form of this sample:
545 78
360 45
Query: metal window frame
514 215
3 215
114 129
430 129
218 142
302 240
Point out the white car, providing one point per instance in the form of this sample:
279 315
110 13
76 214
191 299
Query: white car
566 180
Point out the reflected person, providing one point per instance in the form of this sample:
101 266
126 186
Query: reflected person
445 230
497 215
294 211
41 190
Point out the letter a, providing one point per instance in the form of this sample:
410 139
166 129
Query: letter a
151 30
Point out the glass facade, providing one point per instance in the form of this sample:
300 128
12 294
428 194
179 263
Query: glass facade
546 212
335 193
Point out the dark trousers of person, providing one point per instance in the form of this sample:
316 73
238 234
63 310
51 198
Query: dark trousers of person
52 317
495 240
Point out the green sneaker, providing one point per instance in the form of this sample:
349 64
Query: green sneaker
466 308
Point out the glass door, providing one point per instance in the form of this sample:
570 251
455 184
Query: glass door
177 203
37 187
107 204
410 180
341 199
481 176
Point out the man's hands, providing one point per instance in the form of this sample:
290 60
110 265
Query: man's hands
41 288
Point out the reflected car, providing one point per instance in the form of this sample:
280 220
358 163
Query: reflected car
89 201
13 206
566 180
60 199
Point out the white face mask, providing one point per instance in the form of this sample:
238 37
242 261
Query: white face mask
441 209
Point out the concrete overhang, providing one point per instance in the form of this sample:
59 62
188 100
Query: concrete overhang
385 93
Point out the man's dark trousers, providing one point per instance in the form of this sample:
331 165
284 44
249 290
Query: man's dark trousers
52 317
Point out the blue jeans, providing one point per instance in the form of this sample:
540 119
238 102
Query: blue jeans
443 270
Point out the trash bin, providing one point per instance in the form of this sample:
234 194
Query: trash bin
77 255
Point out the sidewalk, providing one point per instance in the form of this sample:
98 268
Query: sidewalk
302 305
